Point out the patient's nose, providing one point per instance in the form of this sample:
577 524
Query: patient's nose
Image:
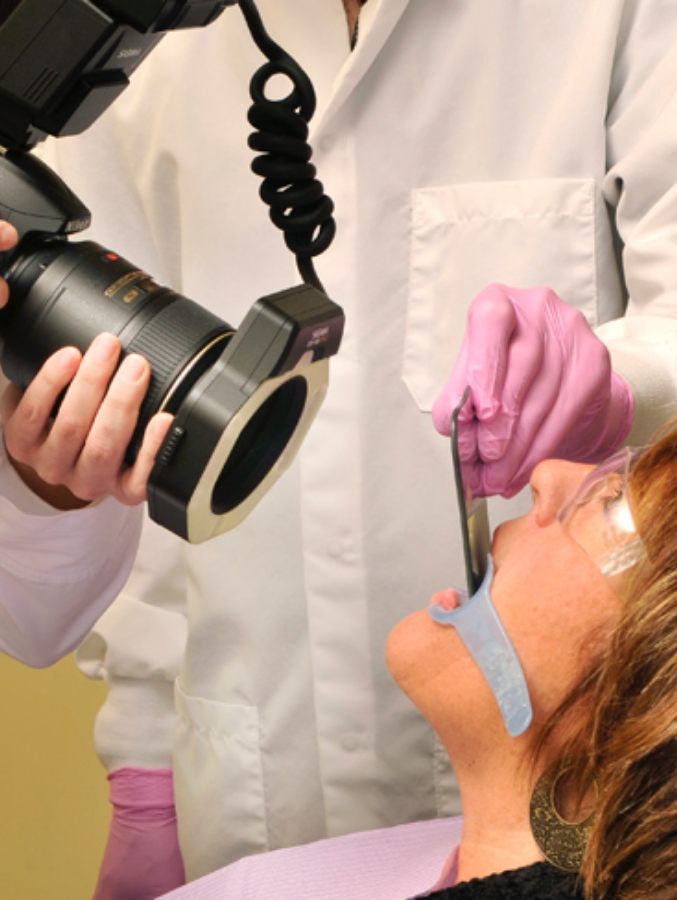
553 483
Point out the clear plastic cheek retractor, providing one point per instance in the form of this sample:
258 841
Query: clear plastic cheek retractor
479 626
476 619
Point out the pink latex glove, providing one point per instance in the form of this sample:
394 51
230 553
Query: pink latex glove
541 387
142 858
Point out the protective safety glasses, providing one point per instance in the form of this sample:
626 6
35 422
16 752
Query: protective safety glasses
599 515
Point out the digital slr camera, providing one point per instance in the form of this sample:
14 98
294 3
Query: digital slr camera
243 398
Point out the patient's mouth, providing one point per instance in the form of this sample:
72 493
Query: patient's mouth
448 599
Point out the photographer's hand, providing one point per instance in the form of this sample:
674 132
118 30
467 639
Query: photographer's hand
77 457
8 238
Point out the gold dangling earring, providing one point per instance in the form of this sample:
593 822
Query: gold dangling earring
562 843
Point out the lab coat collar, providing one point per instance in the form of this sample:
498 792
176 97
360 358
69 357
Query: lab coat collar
378 19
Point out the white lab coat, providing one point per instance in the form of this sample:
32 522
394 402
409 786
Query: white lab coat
58 572
464 142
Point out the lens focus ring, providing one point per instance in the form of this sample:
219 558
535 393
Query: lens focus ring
170 340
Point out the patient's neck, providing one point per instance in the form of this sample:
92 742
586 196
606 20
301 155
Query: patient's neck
496 782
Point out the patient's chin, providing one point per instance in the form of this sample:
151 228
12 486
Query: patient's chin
405 641
419 650
432 666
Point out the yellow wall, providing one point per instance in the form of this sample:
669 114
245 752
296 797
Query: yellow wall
53 790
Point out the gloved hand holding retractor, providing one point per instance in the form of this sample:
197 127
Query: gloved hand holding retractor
541 386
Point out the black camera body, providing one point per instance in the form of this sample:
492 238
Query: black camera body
242 399
63 62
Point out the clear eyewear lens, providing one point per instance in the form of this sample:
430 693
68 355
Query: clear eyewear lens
599 517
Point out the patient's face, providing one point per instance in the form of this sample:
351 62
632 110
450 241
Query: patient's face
553 600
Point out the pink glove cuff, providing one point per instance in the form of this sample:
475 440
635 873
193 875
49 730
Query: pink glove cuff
627 398
620 416
133 789
142 858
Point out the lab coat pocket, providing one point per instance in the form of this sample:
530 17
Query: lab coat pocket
218 782
465 236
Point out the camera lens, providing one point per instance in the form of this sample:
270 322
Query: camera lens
7 7
242 399
64 294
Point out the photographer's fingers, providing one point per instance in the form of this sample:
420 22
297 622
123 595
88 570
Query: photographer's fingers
26 415
10 399
83 447
79 407
134 481
97 471
8 238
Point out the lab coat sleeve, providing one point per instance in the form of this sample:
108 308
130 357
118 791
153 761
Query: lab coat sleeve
641 186
137 648
58 570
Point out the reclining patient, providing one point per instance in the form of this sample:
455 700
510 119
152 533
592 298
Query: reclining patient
583 803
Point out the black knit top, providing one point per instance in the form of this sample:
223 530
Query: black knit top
540 881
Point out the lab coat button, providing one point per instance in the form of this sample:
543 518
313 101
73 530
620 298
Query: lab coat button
349 743
335 549
341 548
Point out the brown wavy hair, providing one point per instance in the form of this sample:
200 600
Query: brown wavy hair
624 741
